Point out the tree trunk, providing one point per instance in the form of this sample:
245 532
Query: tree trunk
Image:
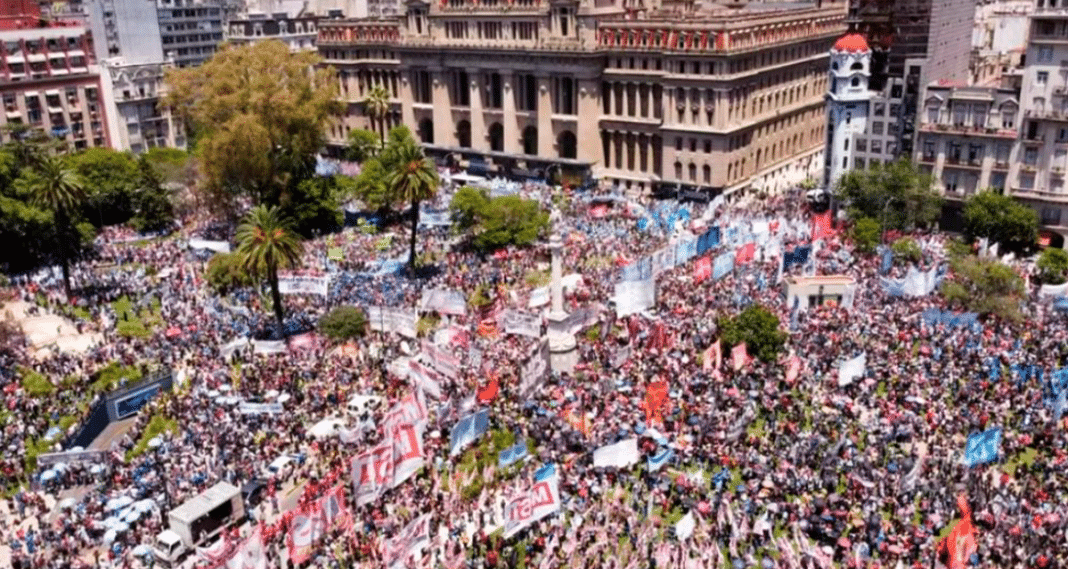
382 130
415 231
276 299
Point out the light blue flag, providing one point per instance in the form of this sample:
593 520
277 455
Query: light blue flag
545 472
656 462
982 447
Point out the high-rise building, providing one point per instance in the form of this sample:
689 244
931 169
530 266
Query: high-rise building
190 30
298 32
677 97
49 80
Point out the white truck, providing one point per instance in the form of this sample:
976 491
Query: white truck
198 521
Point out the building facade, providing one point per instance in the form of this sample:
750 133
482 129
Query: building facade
49 80
190 30
298 32
966 138
137 120
719 99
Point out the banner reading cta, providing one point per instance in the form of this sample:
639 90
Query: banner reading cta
541 500
304 284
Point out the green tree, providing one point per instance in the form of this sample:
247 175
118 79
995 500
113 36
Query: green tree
866 235
267 243
984 286
370 185
55 187
414 180
314 206
896 194
343 323
1000 219
363 145
468 206
906 249
152 207
498 222
758 328
376 106
111 178
172 165
1053 266
260 114
227 271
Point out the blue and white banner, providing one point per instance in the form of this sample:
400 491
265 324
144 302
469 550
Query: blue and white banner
638 270
512 454
468 430
304 284
545 472
657 461
982 447
916 283
685 250
708 240
663 260
723 264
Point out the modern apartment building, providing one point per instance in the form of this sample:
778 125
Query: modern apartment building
681 97
49 80
190 30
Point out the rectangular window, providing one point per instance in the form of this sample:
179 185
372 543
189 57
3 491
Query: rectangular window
862 145
932 115
975 154
1027 181
928 150
954 152
1002 156
876 147
949 180
678 143
877 127
1051 216
1041 78
1045 54
1008 119
879 109
1031 156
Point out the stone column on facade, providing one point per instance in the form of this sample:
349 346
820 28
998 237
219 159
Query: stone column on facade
509 121
406 99
478 118
444 130
545 117
588 135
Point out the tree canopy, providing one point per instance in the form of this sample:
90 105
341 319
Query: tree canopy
259 113
363 145
758 328
343 323
1002 220
984 286
1053 266
413 180
866 235
56 187
498 222
895 193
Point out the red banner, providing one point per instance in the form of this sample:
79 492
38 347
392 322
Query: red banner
702 269
656 402
744 254
960 544
821 226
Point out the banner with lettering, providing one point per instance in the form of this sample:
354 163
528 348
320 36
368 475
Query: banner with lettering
392 320
304 284
619 455
250 554
535 369
406 544
408 454
543 499
409 409
519 323
445 301
372 473
305 528
440 359
425 378
739 356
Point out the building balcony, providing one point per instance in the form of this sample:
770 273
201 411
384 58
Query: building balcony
1057 171
928 158
1039 195
967 130
1001 165
1028 168
1046 114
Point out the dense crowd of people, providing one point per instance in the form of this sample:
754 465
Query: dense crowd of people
775 471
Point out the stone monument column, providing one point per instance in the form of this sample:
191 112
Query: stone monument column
563 349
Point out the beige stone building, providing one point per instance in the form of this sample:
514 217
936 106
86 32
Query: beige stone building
710 98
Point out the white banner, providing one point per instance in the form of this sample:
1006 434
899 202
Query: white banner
543 499
250 554
440 359
268 346
256 408
535 369
408 455
424 378
1053 290
407 544
445 301
392 320
520 323
538 297
850 370
304 284
217 246
372 473
633 297
618 455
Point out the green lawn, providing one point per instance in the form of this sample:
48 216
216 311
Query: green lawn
134 324
35 384
159 424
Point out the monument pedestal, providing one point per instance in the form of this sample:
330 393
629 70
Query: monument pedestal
563 348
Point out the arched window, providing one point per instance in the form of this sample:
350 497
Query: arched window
426 131
566 145
530 141
496 137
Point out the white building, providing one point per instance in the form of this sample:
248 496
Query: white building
848 105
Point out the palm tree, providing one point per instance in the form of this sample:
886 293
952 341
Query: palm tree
414 180
376 105
56 187
266 243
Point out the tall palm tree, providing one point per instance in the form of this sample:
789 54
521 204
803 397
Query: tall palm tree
266 242
54 186
414 180
376 105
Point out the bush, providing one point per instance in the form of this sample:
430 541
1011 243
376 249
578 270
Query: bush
227 272
498 222
906 249
35 384
758 328
1052 266
984 286
156 426
343 323
112 375
866 235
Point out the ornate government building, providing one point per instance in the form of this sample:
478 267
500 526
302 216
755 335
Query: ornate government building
657 96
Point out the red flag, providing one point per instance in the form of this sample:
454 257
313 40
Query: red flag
599 211
821 225
702 269
739 356
744 254
960 544
489 392
656 399
774 226
793 369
